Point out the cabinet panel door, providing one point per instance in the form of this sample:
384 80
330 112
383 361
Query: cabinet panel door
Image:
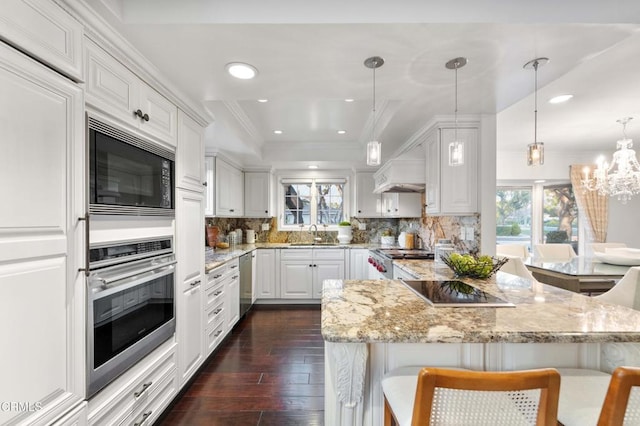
256 194
368 204
191 332
46 31
189 238
266 274
359 265
325 270
459 183
163 115
233 300
42 298
432 173
296 278
229 189
190 154
111 87
210 187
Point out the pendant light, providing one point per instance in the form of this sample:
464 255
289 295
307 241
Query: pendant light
374 148
456 148
535 150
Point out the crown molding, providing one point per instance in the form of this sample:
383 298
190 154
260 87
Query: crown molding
244 121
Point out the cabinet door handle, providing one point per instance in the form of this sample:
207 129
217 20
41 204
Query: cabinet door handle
87 257
231 210
138 113
195 283
234 266
145 416
217 333
217 293
234 277
217 311
145 117
315 266
359 211
204 183
310 266
145 386
217 276
266 211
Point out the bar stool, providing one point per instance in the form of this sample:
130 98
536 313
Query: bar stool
447 396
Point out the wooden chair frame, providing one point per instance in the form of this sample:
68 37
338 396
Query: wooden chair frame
617 398
547 380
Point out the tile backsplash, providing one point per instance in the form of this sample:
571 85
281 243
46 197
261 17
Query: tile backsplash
429 229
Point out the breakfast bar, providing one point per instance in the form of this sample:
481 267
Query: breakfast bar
373 326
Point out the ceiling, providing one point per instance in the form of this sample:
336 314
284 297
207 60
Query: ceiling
310 59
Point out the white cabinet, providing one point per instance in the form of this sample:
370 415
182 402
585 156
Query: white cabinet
257 189
190 154
302 271
232 291
215 307
395 204
45 31
358 264
265 274
254 279
229 190
141 393
451 189
210 187
367 203
113 89
189 282
42 242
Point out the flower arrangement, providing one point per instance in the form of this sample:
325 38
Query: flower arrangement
473 266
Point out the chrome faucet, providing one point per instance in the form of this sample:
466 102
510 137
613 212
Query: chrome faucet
315 233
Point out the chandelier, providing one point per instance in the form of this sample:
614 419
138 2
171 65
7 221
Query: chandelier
620 179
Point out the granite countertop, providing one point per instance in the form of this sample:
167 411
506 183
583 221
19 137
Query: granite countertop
217 257
387 311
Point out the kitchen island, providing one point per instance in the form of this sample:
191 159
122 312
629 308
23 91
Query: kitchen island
372 327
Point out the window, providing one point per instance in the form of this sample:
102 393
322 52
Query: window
513 216
312 201
560 215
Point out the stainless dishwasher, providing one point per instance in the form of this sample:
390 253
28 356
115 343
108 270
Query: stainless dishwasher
246 292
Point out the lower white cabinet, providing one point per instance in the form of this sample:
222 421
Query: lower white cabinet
265 274
232 290
302 271
215 308
358 264
141 393
191 332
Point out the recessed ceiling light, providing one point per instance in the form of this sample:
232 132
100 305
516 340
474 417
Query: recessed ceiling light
539 181
277 132
263 100
559 99
313 167
342 132
241 70
349 100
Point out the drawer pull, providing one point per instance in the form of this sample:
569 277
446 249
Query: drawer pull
145 416
145 386
234 266
217 311
234 277
217 276
217 333
217 293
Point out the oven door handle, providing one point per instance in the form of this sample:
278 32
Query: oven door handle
108 282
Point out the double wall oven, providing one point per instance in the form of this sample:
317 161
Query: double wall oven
131 263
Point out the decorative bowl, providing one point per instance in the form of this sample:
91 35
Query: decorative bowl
473 266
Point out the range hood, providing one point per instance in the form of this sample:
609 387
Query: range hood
400 175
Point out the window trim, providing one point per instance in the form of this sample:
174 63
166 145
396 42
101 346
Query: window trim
282 181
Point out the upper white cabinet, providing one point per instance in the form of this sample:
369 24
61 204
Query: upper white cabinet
45 31
190 154
210 187
41 289
367 203
229 190
400 204
451 189
115 90
257 190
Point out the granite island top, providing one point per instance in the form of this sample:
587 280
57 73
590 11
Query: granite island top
377 311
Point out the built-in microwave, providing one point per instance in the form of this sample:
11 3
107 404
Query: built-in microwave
128 175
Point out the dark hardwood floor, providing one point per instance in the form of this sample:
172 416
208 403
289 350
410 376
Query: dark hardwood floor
269 372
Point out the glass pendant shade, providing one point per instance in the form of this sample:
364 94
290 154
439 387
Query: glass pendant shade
535 154
374 149
456 153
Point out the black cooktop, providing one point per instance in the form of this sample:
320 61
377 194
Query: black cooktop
455 293
398 253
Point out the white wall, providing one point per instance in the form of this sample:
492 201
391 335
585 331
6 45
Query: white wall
512 167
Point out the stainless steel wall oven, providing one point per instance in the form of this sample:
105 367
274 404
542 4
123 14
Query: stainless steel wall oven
130 306
128 175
